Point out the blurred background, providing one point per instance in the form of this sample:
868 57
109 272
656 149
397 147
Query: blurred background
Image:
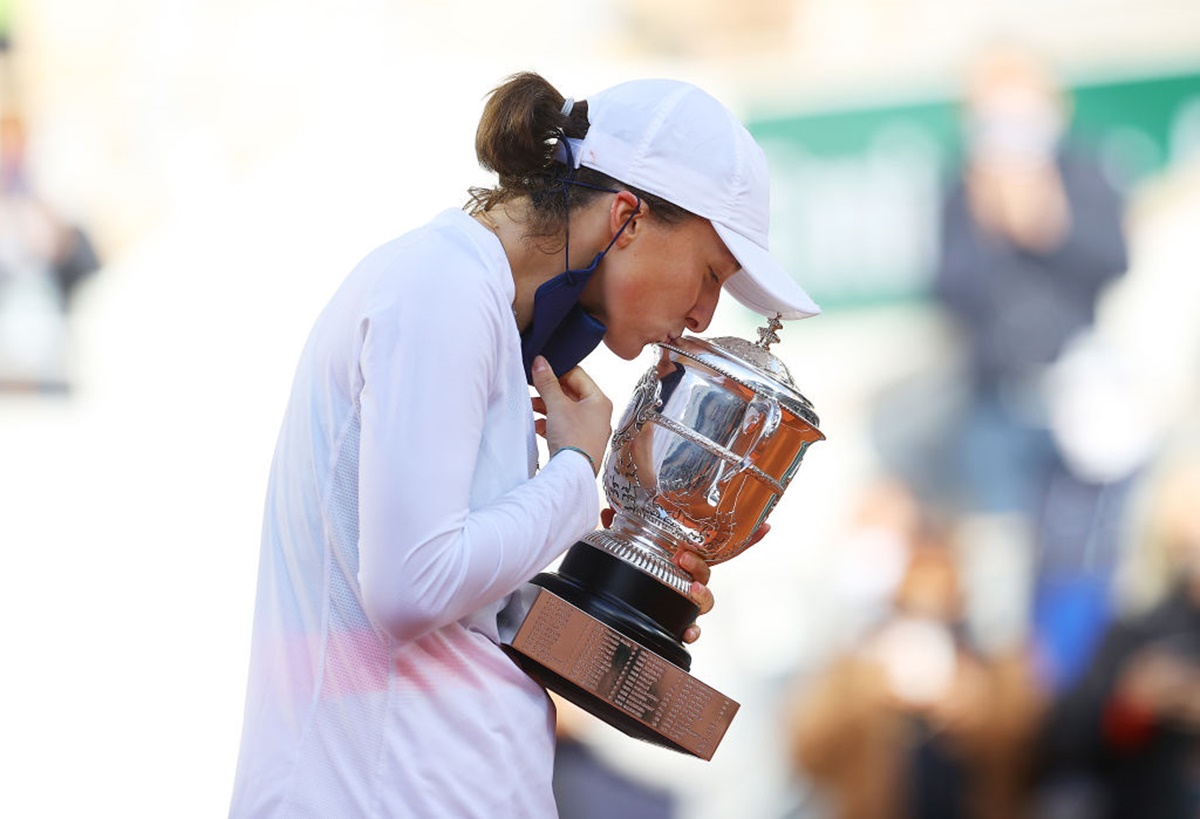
1006 372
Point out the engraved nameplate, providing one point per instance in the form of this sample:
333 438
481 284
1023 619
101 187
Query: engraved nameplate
664 698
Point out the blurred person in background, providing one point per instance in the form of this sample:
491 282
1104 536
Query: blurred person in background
914 720
588 786
873 555
1129 729
1031 237
405 505
43 259
5 31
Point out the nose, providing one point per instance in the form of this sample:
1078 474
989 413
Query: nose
700 316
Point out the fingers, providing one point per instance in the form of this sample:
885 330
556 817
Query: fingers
544 381
758 535
579 385
606 516
701 596
693 564
577 413
575 384
699 592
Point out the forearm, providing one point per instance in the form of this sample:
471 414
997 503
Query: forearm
414 582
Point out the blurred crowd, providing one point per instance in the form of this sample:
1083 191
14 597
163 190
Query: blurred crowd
915 717
1005 667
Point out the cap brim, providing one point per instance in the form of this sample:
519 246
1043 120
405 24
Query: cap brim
762 284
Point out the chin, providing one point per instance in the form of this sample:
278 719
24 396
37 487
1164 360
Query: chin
626 351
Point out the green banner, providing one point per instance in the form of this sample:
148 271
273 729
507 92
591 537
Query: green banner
856 193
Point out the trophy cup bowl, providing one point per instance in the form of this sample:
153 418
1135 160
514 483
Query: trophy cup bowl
710 440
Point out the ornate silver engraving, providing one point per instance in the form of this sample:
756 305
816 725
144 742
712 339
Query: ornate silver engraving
766 335
707 445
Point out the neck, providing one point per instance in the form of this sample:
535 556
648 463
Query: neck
536 260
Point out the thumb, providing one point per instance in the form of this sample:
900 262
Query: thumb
544 380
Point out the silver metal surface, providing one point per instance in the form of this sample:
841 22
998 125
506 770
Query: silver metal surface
710 440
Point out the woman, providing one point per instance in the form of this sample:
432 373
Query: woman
405 504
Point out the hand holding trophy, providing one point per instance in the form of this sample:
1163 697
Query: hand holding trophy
710 440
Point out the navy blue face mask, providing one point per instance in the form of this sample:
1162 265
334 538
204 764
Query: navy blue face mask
561 330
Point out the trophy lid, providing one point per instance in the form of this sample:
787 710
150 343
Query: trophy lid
752 365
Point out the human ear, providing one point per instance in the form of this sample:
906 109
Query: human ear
628 211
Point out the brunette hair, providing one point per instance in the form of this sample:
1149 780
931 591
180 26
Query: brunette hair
516 139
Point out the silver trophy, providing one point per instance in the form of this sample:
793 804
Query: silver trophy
712 437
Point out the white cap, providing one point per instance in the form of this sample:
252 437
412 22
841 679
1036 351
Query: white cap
673 140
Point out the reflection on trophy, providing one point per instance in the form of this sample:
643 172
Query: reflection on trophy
708 444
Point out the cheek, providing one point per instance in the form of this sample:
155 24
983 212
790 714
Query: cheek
629 297
649 295
658 288
631 320
627 316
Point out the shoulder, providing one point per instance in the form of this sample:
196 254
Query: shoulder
452 245
448 264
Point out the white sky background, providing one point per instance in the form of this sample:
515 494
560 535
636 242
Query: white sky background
236 158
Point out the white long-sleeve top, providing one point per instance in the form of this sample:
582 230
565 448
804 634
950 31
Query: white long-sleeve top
402 511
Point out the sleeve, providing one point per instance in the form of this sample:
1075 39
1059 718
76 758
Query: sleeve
1094 251
426 558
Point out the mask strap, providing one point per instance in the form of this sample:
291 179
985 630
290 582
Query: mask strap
568 181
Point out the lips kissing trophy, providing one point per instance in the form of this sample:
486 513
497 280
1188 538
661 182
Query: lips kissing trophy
710 440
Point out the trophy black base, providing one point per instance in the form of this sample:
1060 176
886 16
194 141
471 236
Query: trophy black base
624 598
610 644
